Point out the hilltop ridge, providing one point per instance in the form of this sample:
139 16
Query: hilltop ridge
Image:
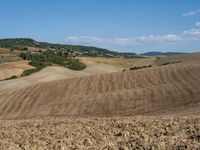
21 43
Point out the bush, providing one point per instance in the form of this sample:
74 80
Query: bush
47 58
11 49
136 68
24 49
75 64
30 71
37 64
167 63
12 77
26 56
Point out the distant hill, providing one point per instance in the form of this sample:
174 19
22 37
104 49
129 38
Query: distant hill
161 53
21 43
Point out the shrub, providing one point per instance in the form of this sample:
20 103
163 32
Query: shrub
37 64
136 68
12 77
47 58
30 71
123 70
167 63
11 49
75 64
26 55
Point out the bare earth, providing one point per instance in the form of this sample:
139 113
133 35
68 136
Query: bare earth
120 62
164 89
101 133
47 74
103 108
181 58
9 69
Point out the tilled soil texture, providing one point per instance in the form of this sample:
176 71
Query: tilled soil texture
101 133
160 90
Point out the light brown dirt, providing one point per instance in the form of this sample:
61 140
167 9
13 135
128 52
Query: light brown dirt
176 58
47 74
53 73
6 51
61 109
33 49
127 133
121 63
9 69
158 90
8 56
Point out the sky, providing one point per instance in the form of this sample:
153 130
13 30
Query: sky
120 25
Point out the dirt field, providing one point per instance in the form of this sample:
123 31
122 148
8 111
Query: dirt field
9 69
8 56
8 52
33 49
51 73
120 62
127 133
175 58
157 90
102 107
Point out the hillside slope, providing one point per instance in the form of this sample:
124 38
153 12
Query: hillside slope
27 43
178 58
15 68
158 90
161 53
51 73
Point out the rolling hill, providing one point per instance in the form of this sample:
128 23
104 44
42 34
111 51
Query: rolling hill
161 53
102 107
158 90
27 43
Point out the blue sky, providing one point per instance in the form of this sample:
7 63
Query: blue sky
121 25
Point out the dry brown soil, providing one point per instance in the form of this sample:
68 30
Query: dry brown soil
103 108
16 68
127 133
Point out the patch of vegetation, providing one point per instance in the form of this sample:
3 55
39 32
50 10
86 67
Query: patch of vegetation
12 77
23 43
168 63
98 55
9 58
47 58
130 55
136 68
75 64
30 71
17 42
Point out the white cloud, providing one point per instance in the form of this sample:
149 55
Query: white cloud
191 13
197 24
160 38
193 33
85 39
98 41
